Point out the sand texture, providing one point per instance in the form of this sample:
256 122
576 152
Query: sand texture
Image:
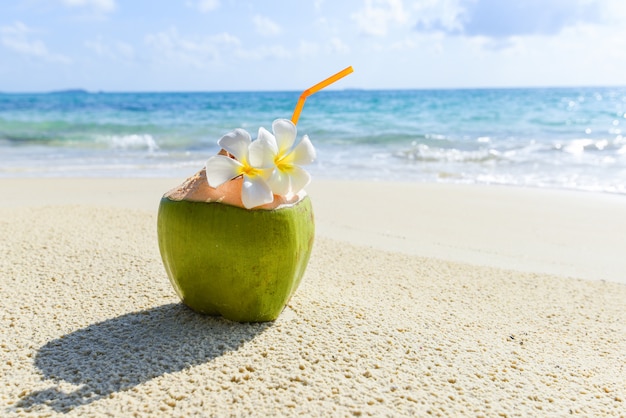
91 326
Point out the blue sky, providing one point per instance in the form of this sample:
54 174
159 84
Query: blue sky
214 45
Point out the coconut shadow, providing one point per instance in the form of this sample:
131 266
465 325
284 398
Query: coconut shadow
123 352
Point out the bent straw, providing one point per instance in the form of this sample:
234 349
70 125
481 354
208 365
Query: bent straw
306 93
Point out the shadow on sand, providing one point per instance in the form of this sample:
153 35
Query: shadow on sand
123 352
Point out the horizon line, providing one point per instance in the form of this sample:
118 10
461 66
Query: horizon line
345 89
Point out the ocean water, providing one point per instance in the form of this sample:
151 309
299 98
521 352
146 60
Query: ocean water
566 138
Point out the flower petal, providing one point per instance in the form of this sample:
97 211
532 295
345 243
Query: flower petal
262 151
237 143
285 132
280 183
264 173
220 169
255 192
265 135
304 153
299 178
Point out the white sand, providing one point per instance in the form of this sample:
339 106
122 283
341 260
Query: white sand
452 300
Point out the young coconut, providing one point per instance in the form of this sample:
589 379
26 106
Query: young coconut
236 237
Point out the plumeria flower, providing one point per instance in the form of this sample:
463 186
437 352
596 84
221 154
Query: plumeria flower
221 168
288 177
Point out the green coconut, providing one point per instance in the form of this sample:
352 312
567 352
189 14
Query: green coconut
223 259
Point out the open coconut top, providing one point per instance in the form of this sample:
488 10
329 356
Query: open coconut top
196 189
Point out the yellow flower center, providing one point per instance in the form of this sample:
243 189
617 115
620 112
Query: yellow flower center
283 163
249 171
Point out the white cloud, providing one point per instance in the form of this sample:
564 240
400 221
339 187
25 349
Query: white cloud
527 43
584 54
204 6
265 26
17 29
377 15
498 19
502 19
337 45
490 18
171 47
17 38
613 11
447 15
101 6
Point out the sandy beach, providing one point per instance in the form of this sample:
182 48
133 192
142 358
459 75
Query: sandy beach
419 299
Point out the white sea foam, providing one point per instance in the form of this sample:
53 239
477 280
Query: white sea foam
132 141
564 138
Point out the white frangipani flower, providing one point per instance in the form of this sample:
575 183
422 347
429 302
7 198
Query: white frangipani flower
220 168
288 177
269 165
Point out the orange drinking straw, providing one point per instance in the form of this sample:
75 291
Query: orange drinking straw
306 93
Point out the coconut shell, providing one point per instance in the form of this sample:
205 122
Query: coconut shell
226 260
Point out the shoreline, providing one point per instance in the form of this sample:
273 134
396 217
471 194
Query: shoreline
388 319
553 231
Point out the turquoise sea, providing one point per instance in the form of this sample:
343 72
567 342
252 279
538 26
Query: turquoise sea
571 138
